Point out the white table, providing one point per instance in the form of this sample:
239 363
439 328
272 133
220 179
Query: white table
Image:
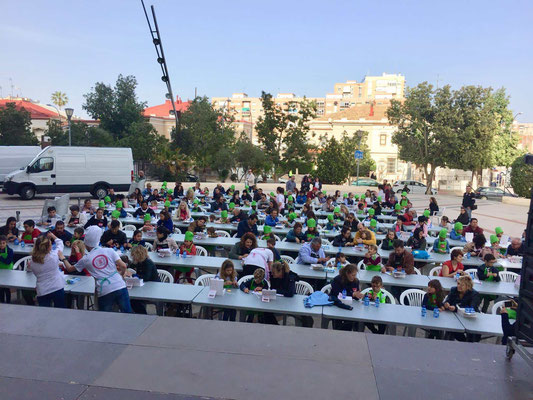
484 287
482 324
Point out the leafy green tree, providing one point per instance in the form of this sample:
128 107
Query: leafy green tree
522 177
15 127
206 136
248 156
117 107
59 99
358 142
82 135
282 133
333 163
423 135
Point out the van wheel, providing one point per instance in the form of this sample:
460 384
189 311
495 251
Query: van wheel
100 191
27 192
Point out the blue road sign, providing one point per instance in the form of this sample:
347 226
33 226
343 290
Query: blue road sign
358 155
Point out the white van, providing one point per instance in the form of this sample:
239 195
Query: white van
15 157
73 169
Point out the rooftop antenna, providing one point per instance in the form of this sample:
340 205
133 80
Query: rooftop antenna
156 40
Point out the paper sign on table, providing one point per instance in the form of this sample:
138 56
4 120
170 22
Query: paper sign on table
216 285
469 236
504 241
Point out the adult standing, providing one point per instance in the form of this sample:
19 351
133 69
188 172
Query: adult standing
290 186
106 267
469 200
45 257
305 184
249 178
258 258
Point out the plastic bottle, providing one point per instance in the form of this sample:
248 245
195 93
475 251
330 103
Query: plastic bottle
122 249
54 246
22 244
344 294
377 302
436 312
468 255
366 301
16 242
178 253
424 311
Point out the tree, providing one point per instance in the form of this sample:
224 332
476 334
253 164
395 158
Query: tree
59 99
15 127
423 135
248 156
522 177
282 132
117 108
206 136
81 133
333 163
358 142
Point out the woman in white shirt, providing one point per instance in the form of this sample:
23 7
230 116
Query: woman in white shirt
258 258
45 266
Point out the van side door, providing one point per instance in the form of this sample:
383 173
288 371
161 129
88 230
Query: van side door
42 174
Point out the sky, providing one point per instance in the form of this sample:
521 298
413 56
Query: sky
301 47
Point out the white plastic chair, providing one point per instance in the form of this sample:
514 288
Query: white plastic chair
331 263
456 248
361 265
326 289
288 259
417 271
131 271
387 294
204 280
435 271
127 228
304 288
23 263
245 278
414 296
508 276
472 272
221 233
149 246
129 215
325 242
235 235
177 230
496 307
165 276
200 251
278 239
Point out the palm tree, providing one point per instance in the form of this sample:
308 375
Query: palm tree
59 99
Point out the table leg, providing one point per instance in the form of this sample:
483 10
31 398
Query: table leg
242 316
159 306
324 324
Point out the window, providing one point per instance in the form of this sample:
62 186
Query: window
391 165
42 164
383 140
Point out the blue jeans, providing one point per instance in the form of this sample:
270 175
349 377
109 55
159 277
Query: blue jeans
119 297
57 297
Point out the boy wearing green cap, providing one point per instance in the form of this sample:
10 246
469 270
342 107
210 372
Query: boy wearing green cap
332 224
441 245
223 217
119 207
291 219
337 214
253 208
457 232
488 272
495 249
498 231
196 206
147 226
398 209
267 232
189 248
373 225
312 230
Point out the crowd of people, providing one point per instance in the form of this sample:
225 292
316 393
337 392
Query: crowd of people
96 233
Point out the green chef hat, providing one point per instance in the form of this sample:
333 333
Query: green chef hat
189 235
290 198
224 214
345 195
325 191
115 214
272 194
404 194
337 209
498 230
442 233
494 239
292 216
373 223
311 223
458 226
107 199
246 187
167 203
356 197
196 201
147 217
397 206
232 187
371 211
379 199
330 217
169 191
267 229
363 197
426 213
254 203
119 204
164 184
231 206
101 204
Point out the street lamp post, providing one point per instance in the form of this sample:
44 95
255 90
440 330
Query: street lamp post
514 118
69 112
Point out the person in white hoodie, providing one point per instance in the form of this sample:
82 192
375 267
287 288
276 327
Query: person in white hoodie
75 218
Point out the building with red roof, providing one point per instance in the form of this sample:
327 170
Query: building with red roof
162 119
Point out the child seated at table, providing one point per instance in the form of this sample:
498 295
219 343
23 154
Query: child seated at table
30 232
434 298
372 259
163 241
332 224
223 217
153 205
340 260
255 285
398 226
147 226
50 217
183 213
494 248
291 219
78 234
229 275
373 226
457 232
120 208
373 294
136 240
267 232
212 218
271 244
115 215
488 272
189 248
312 230
211 233
388 242
196 206
441 246
6 262
77 252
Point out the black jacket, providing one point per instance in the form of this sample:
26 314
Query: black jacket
433 208
337 286
140 213
416 244
118 238
482 276
518 252
147 271
98 222
218 206
463 219
251 285
340 241
468 199
286 285
470 299
425 302
239 217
